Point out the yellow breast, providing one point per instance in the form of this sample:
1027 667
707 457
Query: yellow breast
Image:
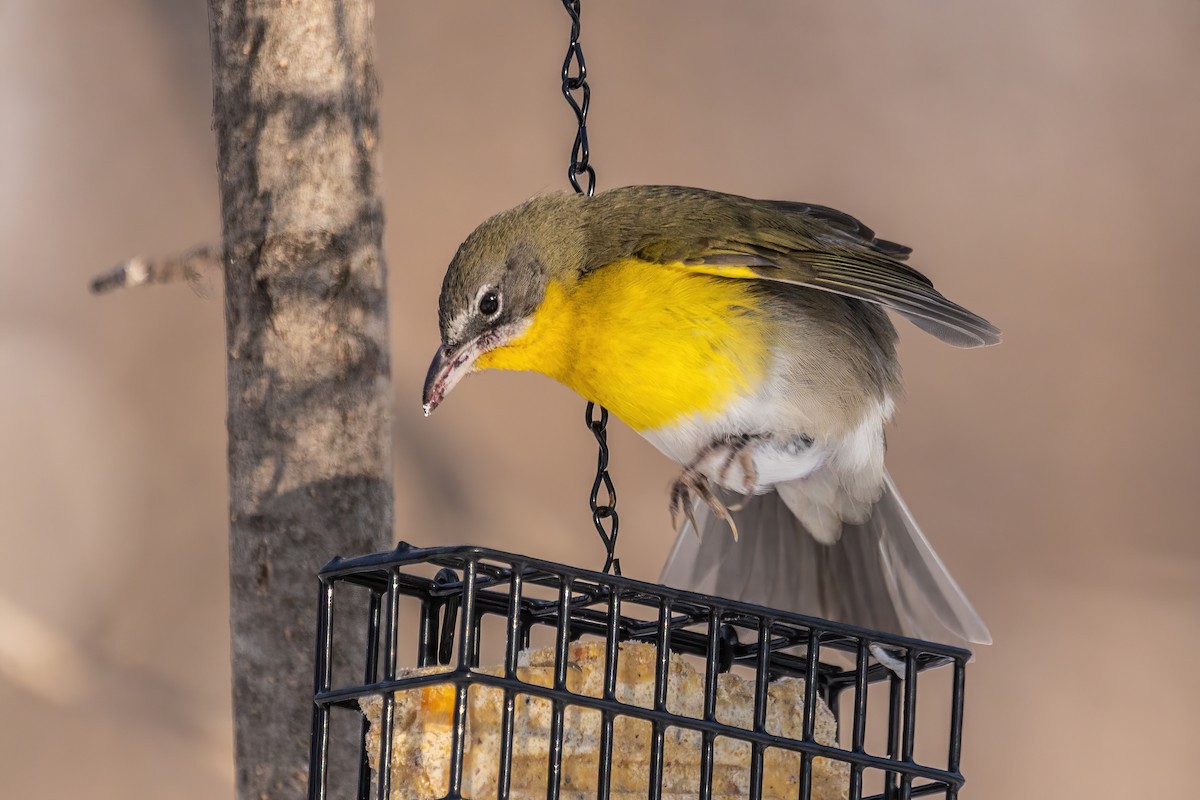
649 342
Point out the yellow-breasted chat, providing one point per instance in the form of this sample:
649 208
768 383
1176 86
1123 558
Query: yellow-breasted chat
748 341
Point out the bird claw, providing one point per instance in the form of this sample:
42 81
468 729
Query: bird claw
681 502
693 484
739 451
689 483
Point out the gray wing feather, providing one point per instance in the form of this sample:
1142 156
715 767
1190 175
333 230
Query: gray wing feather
880 574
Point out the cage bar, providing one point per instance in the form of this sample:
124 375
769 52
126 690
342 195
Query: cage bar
453 590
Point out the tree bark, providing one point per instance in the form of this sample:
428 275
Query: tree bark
306 326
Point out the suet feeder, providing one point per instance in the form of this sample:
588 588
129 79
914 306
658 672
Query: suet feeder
637 689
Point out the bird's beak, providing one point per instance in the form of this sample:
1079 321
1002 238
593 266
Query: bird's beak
446 370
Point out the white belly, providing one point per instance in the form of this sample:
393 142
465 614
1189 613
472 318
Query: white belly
780 452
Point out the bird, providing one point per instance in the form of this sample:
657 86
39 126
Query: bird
748 341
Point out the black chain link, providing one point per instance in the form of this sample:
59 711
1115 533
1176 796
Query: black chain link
579 95
608 509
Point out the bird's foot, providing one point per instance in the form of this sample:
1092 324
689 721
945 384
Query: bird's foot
719 457
692 484
738 451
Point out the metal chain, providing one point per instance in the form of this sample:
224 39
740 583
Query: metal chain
579 95
606 511
576 82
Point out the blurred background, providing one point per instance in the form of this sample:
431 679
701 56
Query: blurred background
1041 158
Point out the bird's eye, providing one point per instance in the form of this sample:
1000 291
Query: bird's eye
489 304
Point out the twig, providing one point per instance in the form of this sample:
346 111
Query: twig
193 266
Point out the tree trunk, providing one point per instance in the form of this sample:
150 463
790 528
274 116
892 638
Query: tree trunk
306 326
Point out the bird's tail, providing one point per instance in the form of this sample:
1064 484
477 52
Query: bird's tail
880 574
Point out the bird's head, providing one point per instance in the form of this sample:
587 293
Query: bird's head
496 282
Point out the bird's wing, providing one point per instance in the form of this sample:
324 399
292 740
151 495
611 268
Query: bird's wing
839 262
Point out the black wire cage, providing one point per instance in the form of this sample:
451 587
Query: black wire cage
431 616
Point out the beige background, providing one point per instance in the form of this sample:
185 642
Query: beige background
1040 157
